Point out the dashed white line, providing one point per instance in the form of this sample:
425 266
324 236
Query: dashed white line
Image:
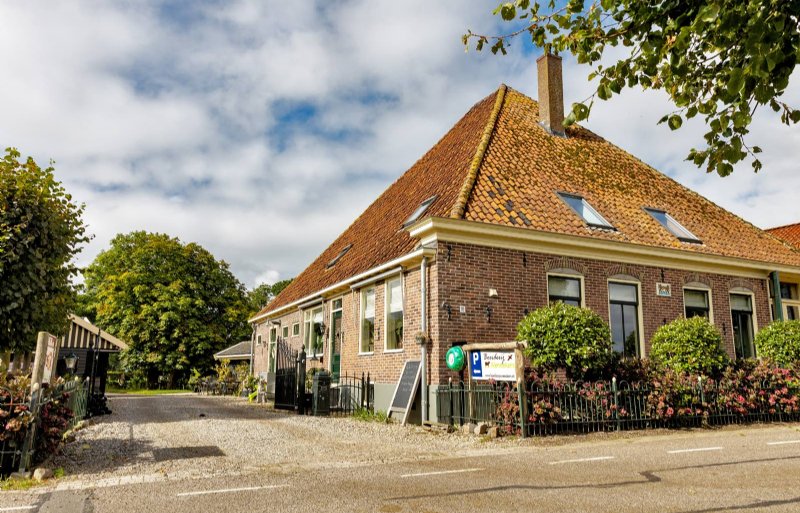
18 508
699 449
581 460
229 490
784 442
441 472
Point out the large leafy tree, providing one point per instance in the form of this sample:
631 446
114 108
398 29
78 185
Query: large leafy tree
718 59
174 303
41 230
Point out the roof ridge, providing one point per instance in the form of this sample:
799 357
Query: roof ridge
472 174
782 226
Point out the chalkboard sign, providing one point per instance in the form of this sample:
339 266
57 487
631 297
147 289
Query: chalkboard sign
406 389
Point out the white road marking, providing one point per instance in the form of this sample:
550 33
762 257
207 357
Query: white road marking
581 460
230 490
441 472
784 442
700 449
17 508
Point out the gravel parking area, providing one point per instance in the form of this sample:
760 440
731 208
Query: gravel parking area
186 436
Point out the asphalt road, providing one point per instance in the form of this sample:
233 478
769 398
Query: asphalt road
748 469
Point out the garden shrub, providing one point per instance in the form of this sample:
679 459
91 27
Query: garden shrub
780 342
563 336
689 345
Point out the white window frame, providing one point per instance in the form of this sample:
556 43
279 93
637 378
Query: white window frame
258 339
741 291
307 324
386 307
700 287
567 273
362 297
639 310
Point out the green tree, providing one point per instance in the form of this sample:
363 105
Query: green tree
41 230
174 303
719 59
264 293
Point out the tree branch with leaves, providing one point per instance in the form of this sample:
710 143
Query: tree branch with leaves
721 60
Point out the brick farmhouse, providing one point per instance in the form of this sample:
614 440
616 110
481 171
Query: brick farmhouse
507 212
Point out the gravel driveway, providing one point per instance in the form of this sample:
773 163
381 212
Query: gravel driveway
187 436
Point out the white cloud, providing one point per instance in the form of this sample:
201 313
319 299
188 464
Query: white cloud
262 129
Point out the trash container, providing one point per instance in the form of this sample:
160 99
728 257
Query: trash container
321 392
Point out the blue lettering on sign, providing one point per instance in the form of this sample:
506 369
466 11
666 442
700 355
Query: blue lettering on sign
476 365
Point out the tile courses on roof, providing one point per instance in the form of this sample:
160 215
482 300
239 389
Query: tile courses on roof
499 166
236 351
789 233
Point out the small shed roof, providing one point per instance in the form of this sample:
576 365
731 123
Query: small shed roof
82 333
240 351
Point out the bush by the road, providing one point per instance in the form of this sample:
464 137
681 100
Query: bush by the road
691 345
780 342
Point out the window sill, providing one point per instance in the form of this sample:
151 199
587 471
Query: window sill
393 350
366 354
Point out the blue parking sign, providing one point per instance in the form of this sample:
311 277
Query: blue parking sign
475 364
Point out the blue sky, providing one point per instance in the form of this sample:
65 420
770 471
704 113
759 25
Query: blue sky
262 129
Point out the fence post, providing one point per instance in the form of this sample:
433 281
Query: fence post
615 392
450 396
523 413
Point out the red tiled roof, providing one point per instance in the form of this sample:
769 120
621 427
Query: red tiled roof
498 165
790 233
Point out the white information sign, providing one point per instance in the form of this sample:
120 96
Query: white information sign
496 365
49 358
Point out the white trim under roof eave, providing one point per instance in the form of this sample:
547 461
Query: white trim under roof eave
434 229
417 253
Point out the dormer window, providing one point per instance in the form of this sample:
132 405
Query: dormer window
673 226
419 211
582 207
339 256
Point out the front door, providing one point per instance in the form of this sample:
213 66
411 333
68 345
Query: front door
336 339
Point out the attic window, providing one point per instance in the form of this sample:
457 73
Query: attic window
673 226
419 211
339 256
582 207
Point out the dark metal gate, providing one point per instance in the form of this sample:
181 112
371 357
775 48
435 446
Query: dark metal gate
286 376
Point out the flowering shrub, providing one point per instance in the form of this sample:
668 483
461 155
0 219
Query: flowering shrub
54 421
780 342
691 345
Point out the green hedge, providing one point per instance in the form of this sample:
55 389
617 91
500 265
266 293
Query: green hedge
780 342
563 336
689 345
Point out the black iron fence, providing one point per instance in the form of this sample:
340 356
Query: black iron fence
24 422
606 406
352 394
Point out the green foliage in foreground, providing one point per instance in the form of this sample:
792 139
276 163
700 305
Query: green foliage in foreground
41 231
563 336
689 345
780 342
720 59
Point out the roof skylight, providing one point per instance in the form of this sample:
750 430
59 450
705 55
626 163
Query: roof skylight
672 226
582 207
419 211
339 256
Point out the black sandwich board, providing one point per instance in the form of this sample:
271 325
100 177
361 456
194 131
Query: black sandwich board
406 389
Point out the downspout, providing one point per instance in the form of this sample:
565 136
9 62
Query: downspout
423 273
252 348
776 300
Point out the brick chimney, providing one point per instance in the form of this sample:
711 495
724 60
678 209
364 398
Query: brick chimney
551 94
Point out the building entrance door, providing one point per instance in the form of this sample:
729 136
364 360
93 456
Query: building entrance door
336 340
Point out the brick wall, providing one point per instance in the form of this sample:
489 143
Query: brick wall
467 272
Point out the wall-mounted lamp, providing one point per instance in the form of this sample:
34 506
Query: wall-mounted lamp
525 312
275 323
446 307
662 276
449 252
488 313
71 361
524 260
